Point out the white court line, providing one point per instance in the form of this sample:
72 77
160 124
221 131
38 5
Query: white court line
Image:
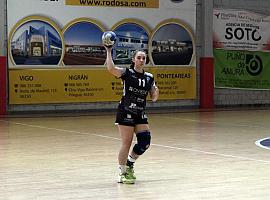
158 145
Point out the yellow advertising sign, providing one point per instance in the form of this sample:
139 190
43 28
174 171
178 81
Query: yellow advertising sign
175 83
33 86
60 86
115 3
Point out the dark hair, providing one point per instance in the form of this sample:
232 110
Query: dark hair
132 65
134 53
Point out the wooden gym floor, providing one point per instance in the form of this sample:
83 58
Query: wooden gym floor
193 156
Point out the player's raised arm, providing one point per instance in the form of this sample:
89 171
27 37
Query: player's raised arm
116 71
108 40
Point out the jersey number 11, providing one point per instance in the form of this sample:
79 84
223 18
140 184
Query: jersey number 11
142 82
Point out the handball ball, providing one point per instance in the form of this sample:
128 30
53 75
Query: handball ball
108 38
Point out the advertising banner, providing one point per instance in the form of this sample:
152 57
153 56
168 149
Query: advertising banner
56 44
241 49
88 85
116 3
242 69
241 30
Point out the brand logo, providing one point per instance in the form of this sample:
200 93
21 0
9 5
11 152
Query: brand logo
217 15
245 63
254 64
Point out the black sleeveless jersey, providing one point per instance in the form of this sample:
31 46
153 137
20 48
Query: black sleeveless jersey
136 88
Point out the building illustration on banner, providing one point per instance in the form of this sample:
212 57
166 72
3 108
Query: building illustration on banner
127 43
130 37
36 46
83 44
172 45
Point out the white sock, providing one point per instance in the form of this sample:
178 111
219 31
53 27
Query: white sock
122 169
131 159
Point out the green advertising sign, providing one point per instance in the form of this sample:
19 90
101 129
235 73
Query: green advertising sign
242 69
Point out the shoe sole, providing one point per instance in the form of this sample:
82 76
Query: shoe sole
129 183
122 182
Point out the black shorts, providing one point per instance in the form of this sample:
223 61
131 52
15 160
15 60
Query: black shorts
124 117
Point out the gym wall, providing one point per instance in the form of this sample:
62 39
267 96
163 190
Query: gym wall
242 97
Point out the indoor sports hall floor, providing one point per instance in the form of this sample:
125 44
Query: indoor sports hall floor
193 156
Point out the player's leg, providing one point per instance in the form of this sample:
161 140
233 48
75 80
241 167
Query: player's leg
126 133
143 142
143 135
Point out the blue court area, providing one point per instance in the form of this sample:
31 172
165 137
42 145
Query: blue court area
264 143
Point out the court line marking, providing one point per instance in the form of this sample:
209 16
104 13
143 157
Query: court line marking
258 143
158 145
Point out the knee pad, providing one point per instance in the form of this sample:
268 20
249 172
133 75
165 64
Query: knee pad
143 142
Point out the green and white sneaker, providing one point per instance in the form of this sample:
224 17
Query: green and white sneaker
130 172
125 178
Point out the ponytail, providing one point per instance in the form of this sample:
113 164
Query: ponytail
132 65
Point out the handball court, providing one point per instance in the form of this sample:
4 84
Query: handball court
194 156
